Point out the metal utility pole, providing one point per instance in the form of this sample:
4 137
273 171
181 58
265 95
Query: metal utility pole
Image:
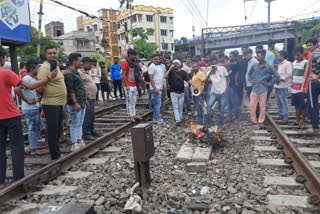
159 30
207 12
39 27
269 9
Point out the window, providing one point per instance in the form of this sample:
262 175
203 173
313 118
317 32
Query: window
97 38
139 18
59 33
95 27
118 25
133 19
163 32
172 46
171 33
149 18
163 19
86 43
164 46
118 37
89 29
171 20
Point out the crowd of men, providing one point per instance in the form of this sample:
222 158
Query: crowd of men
52 90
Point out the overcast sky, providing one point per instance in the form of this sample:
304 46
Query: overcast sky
221 12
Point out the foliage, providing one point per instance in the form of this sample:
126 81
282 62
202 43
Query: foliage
141 32
29 50
127 2
183 38
143 48
309 30
100 58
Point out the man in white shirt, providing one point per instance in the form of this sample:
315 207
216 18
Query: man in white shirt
220 83
251 62
187 67
156 79
95 73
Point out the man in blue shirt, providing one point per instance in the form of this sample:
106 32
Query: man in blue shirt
262 76
116 77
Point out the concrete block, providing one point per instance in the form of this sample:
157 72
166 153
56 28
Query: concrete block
76 175
303 141
261 132
273 162
197 167
55 190
25 208
185 153
112 149
281 181
201 154
67 209
289 201
307 150
261 138
315 164
96 161
266 149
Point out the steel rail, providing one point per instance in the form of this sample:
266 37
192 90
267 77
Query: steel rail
299 162
20 188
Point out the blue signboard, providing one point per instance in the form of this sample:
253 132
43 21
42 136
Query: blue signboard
14 21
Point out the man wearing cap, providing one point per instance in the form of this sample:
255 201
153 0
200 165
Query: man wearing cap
176 78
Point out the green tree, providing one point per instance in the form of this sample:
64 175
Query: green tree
309 30
143 48
183 38
29 50
128 3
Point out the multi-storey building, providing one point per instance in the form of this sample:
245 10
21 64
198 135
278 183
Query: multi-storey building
54 29
77 41
104 29
159 19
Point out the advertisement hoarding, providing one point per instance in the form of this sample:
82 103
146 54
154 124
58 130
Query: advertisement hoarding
14 21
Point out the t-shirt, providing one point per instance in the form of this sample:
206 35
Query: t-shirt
235 68
298 75
198 80
129 74
95 73
104 76
89 84
158 74
219 80
8 79
55 91
187 69
270 57
29 94
176 81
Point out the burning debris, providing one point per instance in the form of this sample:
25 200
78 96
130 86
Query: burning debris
212 134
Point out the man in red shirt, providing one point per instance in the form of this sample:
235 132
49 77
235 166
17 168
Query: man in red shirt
10 121
205 62
129 82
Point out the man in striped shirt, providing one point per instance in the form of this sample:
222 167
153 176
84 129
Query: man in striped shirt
299 66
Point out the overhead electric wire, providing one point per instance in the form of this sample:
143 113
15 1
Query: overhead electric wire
315 2
197 20
193 6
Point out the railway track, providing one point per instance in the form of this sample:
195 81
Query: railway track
111 122
291 159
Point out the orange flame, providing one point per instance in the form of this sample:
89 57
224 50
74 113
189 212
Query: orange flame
194 130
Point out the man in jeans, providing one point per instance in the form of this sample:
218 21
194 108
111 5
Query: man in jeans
198 81
91 91
53 98
30 108
176 78
76 100
285 71
259 75
10 121
115 76
251 62
156 79
129 82
220 82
